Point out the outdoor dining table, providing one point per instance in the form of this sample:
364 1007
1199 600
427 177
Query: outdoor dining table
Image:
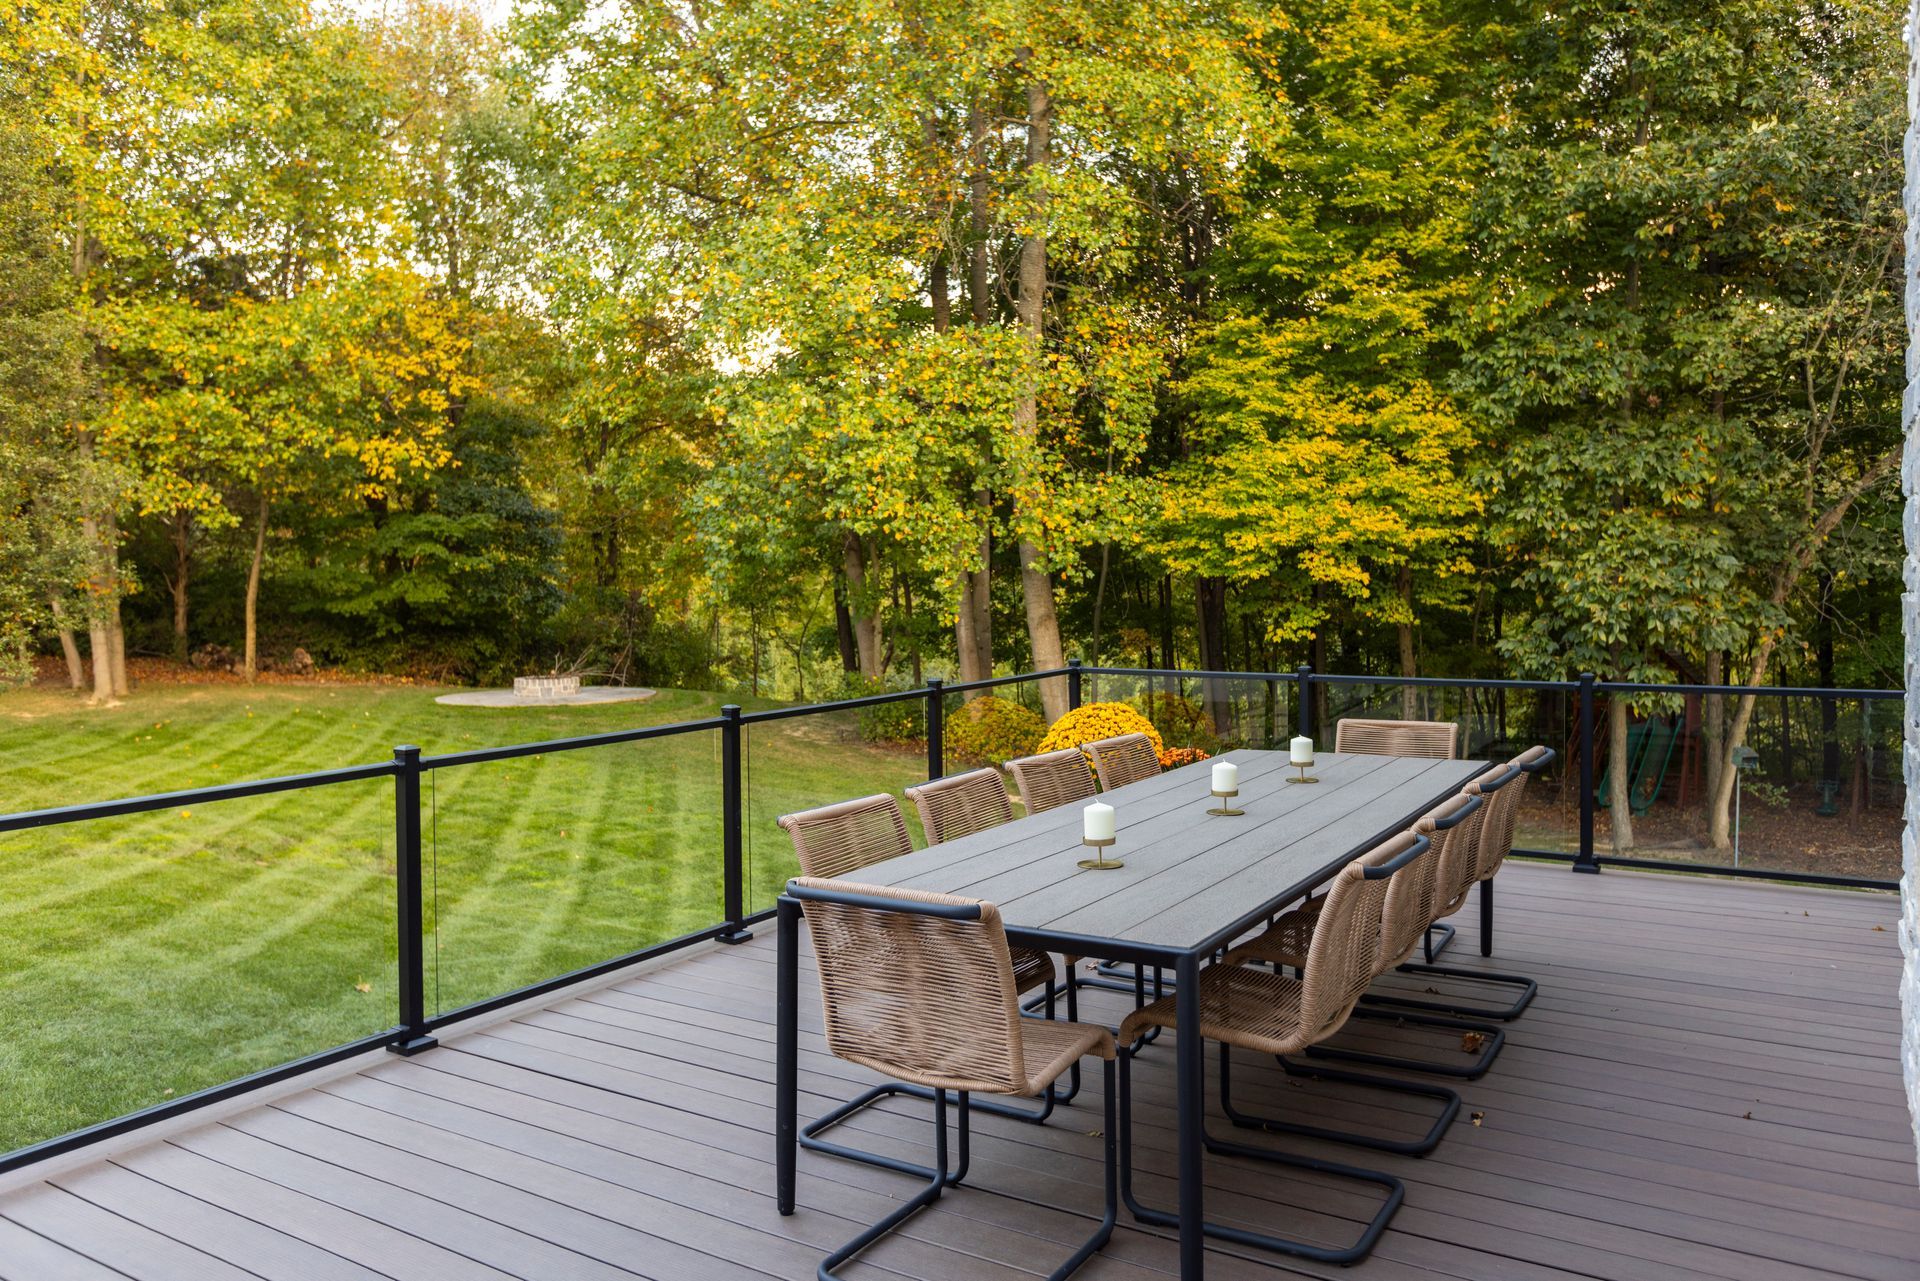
1191 883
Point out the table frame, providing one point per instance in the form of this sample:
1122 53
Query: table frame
1189 1046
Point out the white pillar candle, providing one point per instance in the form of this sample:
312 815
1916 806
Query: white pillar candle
1098 819
1302 753
1226 776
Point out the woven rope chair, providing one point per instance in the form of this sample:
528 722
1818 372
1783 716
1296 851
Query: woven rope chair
839 840
1123 759
921 987
1268 1012
1492 838
1397 738
961 804
1453 828
1052 779
835 840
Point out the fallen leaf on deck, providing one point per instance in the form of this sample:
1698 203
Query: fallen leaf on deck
1746 1116
1472 1042
1477 1117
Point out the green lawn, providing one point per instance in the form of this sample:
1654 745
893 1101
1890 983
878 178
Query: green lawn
149 956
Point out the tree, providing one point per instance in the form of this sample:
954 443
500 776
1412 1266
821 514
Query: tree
1322 456
41 561
1674 203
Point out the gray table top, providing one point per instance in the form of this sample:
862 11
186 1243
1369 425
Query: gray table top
1189 875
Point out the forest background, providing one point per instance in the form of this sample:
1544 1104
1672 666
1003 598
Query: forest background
795 348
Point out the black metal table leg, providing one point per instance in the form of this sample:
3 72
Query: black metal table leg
1190 1059
786 1090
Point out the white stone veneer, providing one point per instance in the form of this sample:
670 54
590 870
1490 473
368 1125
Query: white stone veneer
1910 601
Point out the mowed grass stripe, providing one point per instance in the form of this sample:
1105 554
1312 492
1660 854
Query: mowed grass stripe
156 954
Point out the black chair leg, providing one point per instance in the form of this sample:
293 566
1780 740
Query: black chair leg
1492 1040
1503 1013
1486 918
938 1181
1438 938
1449 1108
1369 1236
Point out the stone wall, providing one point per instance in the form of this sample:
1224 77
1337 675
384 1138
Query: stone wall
1910 602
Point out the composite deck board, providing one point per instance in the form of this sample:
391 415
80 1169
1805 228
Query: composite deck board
1706 1087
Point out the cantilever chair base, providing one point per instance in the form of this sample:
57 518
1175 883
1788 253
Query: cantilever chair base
1494 1039
1369 1235
1504 1014
1450 1108
939 1180
1431 949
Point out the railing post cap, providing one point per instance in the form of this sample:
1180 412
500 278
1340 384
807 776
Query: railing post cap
406 752
731 711
934 682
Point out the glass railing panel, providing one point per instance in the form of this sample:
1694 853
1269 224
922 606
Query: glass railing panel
1816 787
818 758
545 864
152 955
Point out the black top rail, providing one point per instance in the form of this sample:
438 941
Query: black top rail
194 796
482 755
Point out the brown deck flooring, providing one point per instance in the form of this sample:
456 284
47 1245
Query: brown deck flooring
1707 1086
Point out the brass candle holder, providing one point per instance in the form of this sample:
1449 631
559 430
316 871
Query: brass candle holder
1304 776
1100 862
1224 807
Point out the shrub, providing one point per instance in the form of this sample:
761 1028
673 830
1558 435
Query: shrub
988 731
901 722
1175 757
1179 720
1097 721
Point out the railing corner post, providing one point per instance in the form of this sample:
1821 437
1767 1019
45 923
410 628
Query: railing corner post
1073 684
734 890
1586 860
1303 697
936 728
410 958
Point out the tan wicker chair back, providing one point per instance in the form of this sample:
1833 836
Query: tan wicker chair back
1496 834
1413 892
1123 759
962 804
1052 779
1397 738
1346 940
835 840
924 999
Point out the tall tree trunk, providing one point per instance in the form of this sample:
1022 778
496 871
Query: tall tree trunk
117 649
1210 614
1619 786
866 613
843 628
1099 602
1036 583
1713 726
1409 695
973 634
1829 708
182 532
250 656
99 652
76 673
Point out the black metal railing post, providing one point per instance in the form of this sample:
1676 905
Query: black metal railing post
936 728
410 960
1074 675
733 874
1303 695
1586 861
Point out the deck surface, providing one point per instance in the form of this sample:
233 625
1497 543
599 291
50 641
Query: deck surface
1707 1086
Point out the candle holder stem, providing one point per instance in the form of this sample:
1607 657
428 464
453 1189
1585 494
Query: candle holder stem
1100 862
1223 808
1303 767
